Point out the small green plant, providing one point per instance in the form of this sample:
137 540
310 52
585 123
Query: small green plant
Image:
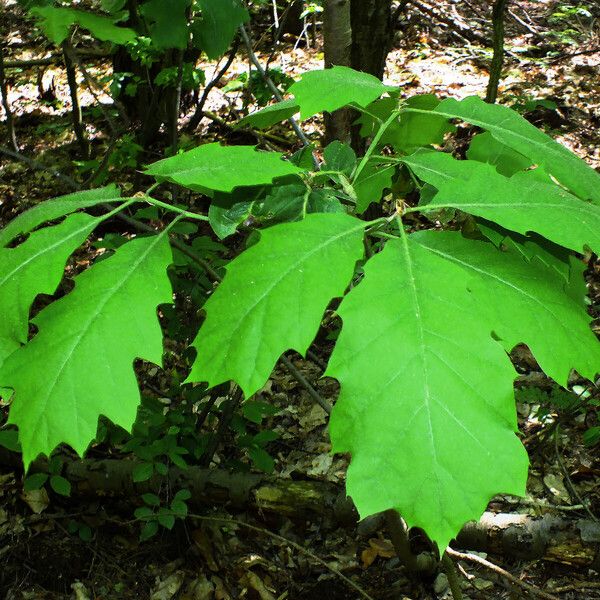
256 85
53 477
154 514
191 77
83 530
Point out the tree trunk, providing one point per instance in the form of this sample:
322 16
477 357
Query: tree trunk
372 35
357 34
337 41
498 13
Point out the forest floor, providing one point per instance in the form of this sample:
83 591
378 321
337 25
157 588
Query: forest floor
555 79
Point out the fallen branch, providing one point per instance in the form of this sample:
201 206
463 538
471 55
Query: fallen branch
531 589
52 59
556 539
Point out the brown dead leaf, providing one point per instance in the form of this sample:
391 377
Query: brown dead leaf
252 580
204 545
377 547
37 500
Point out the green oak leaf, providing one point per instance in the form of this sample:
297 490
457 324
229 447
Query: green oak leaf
282 203
56 22
216 28
55 208
168 22
338 156
226 214
426 405
511 129
330 89
484 147
80 364
520 203
411 130
222 168
273 297
527 304
370 183
270 115
35 267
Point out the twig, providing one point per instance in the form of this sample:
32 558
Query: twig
38 166
566 56
10 123
284 540
275 91
103 164
535 591
424 563
306 384
92 86
316 359
199 112
175 108
520 21
581 585
224 420
49 60
139 225
262 136
78 125
568 483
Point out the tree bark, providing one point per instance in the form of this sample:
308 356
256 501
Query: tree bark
498 12
372 35
337 41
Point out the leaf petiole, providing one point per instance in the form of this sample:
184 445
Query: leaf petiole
373 145
171 208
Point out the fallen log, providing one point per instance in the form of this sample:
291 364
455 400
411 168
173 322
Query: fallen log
56 58
569 541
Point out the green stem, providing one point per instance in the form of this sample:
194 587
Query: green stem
453 582
374 142
119 208
367 112
153 187
171 208
387 159
403 235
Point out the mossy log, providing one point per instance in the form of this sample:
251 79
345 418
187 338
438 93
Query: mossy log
569 541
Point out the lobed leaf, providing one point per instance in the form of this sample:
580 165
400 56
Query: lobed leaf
411 130
371 183
270 115
273 298
216 28
330 89
35 267
521 203
222 168
426 405
511 129
80 364
484 147
527 303
56 208
56 22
